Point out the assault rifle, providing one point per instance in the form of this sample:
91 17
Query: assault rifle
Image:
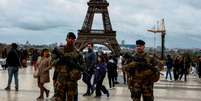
58 58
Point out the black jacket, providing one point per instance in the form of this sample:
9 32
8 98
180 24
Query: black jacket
13 58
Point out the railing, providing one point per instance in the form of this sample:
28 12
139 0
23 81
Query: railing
98 3
94 31
97 31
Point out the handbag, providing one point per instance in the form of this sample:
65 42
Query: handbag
24 63
35 73
36 70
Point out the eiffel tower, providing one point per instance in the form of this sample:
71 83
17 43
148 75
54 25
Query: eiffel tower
106 37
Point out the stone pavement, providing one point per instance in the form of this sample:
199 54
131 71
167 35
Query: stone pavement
163 90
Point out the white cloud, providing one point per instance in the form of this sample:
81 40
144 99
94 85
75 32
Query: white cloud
130 18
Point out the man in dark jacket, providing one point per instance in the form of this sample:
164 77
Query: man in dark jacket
13 63
169 64
90 59
111 69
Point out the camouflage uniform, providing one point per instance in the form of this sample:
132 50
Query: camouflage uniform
141 76
68 74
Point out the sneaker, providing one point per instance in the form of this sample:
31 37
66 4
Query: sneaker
97 96
108 95
86 94
116 82
7 88
16 89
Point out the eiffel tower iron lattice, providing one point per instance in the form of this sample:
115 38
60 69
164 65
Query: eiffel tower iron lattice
106 37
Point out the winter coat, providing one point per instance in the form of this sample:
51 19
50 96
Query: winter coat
43 65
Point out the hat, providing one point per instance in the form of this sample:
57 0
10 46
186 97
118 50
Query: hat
140 42
71 35
14 45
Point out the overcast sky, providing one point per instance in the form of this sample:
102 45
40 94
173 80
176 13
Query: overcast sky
48 21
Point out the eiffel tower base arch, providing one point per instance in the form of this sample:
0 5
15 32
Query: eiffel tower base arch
109 41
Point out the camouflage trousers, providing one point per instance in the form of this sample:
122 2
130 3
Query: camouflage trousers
65 91
145 90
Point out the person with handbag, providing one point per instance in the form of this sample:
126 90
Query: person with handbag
43 66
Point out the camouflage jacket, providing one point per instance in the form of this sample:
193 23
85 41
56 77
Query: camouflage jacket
68 63
142 69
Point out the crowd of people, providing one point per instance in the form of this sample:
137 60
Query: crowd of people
68 64
140 70
182 65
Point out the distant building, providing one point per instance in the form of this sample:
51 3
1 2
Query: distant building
123 42
127 46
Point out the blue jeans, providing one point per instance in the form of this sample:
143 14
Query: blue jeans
13 71
168 72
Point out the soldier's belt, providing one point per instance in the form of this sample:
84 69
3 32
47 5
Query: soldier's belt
132 80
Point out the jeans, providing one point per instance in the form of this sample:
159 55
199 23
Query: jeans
111 80
100 87
87 80
168 72
12 70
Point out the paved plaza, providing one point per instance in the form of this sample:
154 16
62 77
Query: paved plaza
163 90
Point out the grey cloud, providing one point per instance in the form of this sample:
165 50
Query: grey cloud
39 23
37 14
130 18
193 3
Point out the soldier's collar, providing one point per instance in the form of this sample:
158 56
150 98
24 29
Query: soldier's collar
69 48
141 54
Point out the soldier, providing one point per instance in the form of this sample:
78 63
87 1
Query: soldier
142 74
68 71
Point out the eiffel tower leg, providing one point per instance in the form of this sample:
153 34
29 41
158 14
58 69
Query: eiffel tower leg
87 25
81 43
106 21
114 47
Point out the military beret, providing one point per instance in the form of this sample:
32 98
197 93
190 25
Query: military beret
71 34
140 42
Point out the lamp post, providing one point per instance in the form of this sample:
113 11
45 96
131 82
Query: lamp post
160 29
